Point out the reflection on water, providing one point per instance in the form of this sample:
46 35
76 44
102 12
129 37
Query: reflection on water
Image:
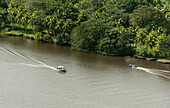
29 80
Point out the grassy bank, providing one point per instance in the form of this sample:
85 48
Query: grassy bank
27 32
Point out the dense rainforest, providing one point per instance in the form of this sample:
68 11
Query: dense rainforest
109 27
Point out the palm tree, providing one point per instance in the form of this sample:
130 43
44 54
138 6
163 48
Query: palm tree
19 17
141 35
47 20
52 23
25 20
59 25
83 16
12 14
31 20
67 25
150 39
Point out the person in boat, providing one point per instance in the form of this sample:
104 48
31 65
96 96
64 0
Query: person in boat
134 66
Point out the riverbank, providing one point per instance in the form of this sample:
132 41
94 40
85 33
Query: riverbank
20 34
164 61
37 36
49 39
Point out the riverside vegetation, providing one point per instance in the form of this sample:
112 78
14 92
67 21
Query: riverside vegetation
109 27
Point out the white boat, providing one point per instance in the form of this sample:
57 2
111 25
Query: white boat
61 68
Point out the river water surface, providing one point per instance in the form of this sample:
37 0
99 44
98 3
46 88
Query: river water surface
28 78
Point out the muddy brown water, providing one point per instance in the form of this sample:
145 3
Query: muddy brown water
28 78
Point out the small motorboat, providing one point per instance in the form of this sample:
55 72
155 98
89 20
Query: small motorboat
133 66
61 68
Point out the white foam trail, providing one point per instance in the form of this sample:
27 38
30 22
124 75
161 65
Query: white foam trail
47 66
165 71
13 53
143 69
6 51
40 65
17 54
36 64
37 61
156 72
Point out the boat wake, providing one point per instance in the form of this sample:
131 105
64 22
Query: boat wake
162 73
28 60
39 65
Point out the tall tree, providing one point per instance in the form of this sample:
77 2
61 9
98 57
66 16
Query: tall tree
127 5
144 16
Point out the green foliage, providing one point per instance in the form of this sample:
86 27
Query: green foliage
110 27
144 16
141 35
164 48
87 35
142 50
83 16
34 5
38 36
124 39
48 38
63 39
64 11
127 5
116 42
116 16
150 40
91 5
95 35
150 2
3 17
38 19
3 4
108 42
153 52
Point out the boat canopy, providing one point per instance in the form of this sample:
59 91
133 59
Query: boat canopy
60 67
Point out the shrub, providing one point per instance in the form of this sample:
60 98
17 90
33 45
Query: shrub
164 48
62 39
152 52
47 38
87 35
142 50
38 36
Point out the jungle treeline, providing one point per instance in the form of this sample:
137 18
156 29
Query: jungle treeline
109 27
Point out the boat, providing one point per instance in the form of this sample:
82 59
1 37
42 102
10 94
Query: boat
133 66
61 68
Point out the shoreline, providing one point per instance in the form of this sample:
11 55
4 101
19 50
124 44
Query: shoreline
31 36
160 60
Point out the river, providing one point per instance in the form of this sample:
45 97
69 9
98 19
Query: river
28 78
